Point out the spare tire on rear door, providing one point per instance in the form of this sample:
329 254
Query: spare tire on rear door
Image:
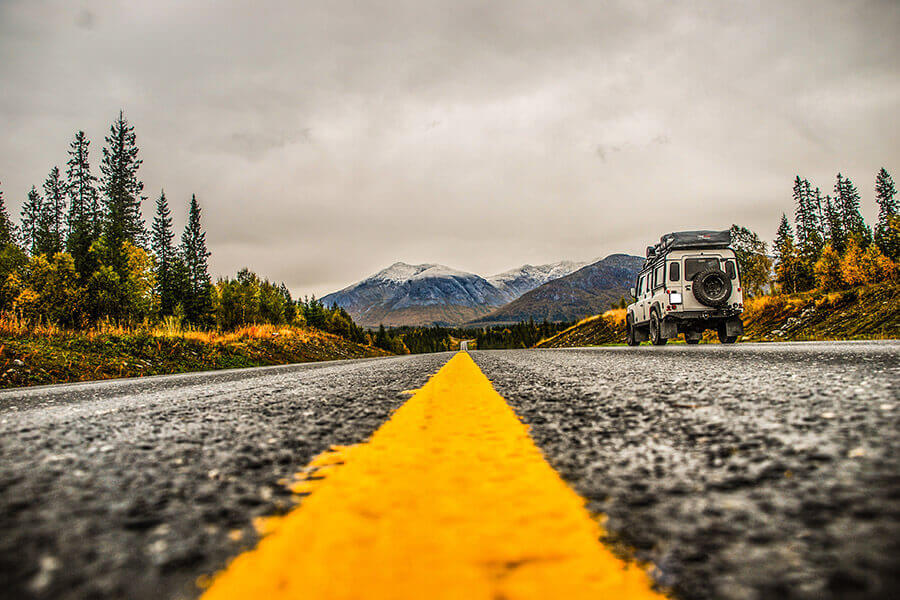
712 287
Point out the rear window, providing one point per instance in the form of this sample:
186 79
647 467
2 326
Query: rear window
692 266
674 271
729 269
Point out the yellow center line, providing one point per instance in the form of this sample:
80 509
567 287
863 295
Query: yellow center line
449 499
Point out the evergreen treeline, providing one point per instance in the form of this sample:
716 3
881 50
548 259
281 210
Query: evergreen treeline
420 340
83 254
520 335
830 246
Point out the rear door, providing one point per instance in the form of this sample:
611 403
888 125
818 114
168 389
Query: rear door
693 265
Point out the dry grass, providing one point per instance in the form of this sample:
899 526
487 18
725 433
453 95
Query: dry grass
11 325
40 354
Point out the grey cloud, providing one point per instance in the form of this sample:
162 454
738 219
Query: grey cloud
326 140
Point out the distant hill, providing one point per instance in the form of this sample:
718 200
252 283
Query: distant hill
430 294
588 291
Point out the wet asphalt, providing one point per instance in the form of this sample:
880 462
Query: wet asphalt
132 489
741 472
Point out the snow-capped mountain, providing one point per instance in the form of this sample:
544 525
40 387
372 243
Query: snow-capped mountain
425 294
527 277
429 294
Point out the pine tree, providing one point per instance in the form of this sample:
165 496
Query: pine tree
122 220
55 212
32 217
887 231
837 236
800 209
194 254
162 238
884 196
847 199
783 235
809 239
8 234
787 260
821 217
83 219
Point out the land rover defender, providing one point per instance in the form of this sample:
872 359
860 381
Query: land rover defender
689 283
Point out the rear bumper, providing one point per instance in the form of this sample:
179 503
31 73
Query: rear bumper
695 321
704 315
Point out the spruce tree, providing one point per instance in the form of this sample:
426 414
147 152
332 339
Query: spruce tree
8 234
887 231
820 216
800 209
787 262
83 218
194 254
837 236
807 219
847 198
783 234
122 220
162 238
32 217
884 196
55 212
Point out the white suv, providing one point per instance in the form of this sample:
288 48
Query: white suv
690 282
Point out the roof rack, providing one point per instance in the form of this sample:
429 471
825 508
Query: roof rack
685 240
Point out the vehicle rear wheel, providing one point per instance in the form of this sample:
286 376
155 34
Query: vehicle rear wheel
656 337
724 337
630 339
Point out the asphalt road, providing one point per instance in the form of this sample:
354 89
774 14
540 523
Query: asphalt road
741 472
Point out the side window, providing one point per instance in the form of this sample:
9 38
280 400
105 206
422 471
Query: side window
729 269
644 287
659 275
674 271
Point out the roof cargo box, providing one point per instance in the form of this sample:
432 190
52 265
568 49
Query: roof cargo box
681 240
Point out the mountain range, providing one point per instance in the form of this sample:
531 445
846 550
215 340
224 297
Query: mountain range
431 294
588 291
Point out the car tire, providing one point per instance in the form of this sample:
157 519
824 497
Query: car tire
630 339
712 288
656 337
724 338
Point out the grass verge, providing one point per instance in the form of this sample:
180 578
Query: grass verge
45 355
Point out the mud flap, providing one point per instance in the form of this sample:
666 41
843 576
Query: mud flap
642 334
668 329
734 326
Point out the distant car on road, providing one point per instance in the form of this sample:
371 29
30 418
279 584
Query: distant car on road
689 283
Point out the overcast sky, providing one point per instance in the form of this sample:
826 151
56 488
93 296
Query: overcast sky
326 140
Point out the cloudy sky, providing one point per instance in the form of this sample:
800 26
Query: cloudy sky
326 140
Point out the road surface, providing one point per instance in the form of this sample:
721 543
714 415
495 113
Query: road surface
741 472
